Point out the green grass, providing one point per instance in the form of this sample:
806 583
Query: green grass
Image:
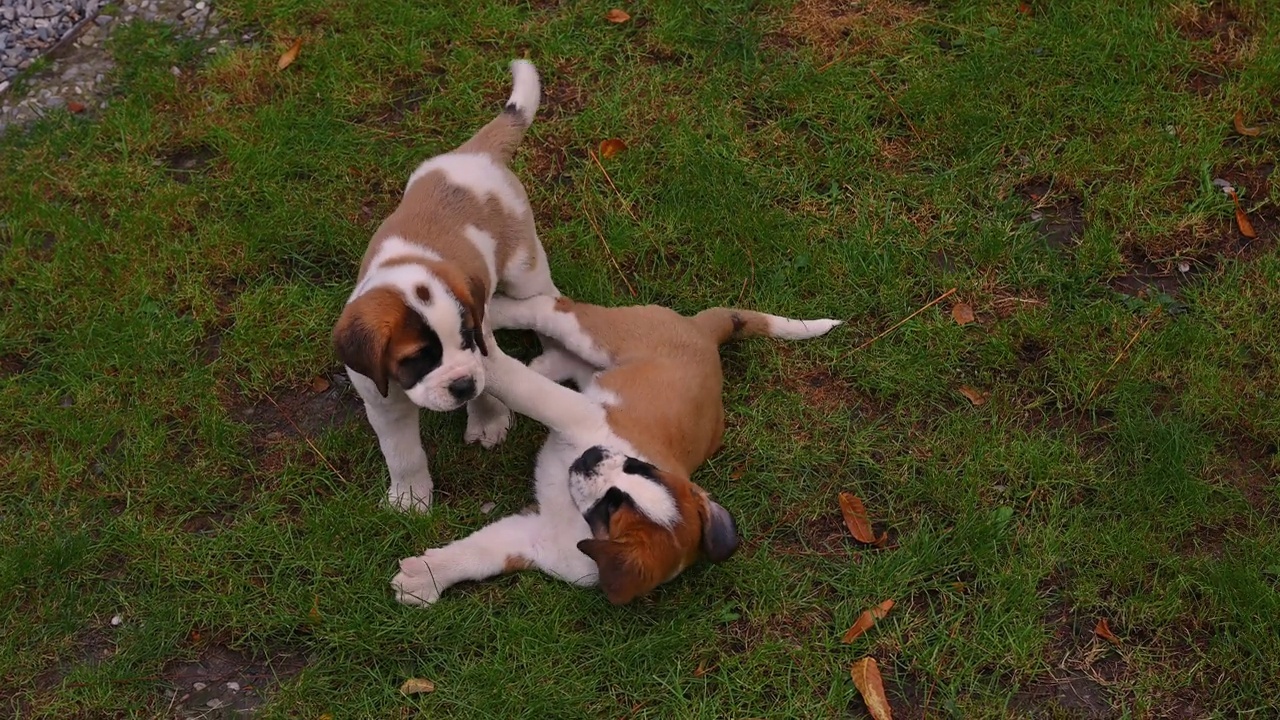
770 165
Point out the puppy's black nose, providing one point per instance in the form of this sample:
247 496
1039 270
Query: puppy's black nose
463 388
587 462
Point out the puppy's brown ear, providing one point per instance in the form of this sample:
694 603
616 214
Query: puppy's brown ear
471 294
719 533
617 579
362 336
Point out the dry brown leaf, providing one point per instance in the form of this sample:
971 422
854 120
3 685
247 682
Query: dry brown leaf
611 147
413 686
314 613
319 384
866 676
1242 128
1246 227
866 620
616 16
962 313
1103 630
1024 8
702 669
977 397
855 518
75 107
290 55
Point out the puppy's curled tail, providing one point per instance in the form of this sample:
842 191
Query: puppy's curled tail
501 136
725 324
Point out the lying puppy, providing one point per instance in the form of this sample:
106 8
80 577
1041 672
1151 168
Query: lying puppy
615 502
413 332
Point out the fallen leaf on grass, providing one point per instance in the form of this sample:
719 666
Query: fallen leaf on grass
611 147
616 16
319 384
314 613
866 620
290 55
413 686
977 397
1242 220
1024 8
1103 630
75 107
855 518
866 676
1244 130
962 313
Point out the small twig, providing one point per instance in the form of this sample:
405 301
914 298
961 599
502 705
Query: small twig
625 205
310 444
888 94
1123 350
902 322
591 219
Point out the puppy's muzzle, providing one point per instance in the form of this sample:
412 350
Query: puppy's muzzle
463 389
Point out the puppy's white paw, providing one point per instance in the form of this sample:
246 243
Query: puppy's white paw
422 578
488 421
411 496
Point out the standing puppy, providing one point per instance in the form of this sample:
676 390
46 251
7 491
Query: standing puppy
413 332
615 503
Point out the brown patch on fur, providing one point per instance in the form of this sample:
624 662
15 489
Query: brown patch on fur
375 332
423 293
516 563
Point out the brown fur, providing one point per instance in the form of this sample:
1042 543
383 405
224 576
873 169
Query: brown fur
665 371
375 332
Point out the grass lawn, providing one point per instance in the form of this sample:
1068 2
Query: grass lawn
179 447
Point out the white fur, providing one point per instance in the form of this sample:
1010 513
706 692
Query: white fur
488 248
478 173
526 90
548 538
789 329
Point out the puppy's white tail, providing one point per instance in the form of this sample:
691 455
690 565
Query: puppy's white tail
501 136
725 324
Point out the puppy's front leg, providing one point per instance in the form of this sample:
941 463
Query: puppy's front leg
515 542
395 422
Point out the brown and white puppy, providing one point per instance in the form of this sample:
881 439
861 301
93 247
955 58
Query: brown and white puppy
615 502
413 333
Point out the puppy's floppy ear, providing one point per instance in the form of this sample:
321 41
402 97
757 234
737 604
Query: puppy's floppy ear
471 294
617 580
719 533
362 337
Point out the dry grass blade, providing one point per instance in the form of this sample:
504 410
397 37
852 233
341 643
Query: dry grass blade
855 518
607 251
904 320
303 435
866 676
1242 128
290 55
901 112
625 205
1123 350
866 620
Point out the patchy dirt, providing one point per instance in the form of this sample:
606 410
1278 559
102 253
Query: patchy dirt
562 98
185 163
225 683
1056 212
1253 184
1219 25
838 28
301 411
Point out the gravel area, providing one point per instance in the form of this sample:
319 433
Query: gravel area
72 35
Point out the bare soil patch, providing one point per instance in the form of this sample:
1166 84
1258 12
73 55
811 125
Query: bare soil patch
1057 212
225 683
837 28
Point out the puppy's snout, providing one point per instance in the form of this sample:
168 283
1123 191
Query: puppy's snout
463 389
588 461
